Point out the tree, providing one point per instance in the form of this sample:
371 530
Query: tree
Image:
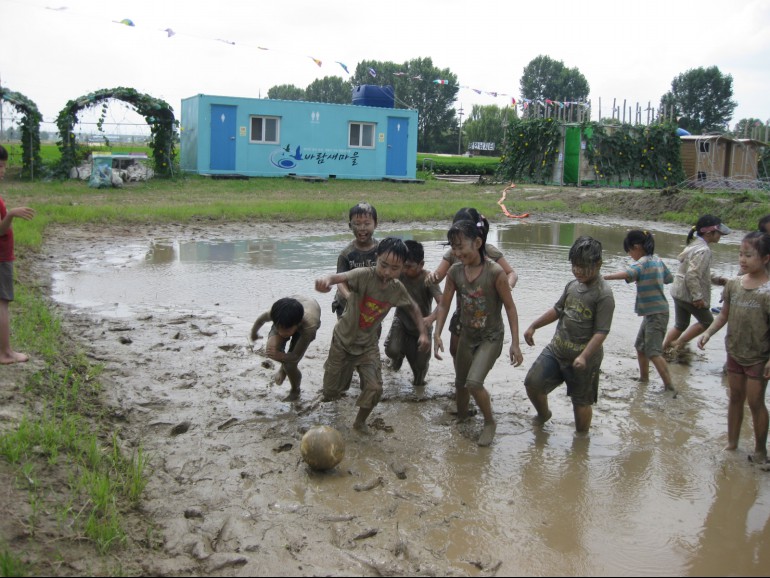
750 128
488 123
329 89
414 87
286 92
702 99
546 78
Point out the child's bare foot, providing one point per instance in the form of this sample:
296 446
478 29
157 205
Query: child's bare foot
541 419
279 376
293 395
643 378
758 458
671 388
731 447
487 434
14 357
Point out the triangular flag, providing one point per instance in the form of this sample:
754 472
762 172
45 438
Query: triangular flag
345 68
169 32
373 73
318 62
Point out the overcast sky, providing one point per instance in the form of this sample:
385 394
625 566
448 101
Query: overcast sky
54 51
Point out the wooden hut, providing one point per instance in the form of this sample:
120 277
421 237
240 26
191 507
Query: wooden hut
706 157
745 159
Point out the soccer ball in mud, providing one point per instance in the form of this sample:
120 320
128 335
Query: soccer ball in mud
322 447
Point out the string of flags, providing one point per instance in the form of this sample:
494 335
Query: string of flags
524 103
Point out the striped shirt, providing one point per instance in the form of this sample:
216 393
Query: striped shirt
650 274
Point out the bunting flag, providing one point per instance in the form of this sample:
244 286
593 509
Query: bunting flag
226 41
169 32
345 68
439 81
372 73
318 62
126 21
399 74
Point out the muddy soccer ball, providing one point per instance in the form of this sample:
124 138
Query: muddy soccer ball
322 447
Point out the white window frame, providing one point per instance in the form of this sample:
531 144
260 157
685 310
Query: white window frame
260 139
361 126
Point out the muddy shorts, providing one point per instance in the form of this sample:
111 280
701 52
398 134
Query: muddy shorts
6 281
752 371
454 323
684 310
474 361
649 340
548 372
400 343
339 368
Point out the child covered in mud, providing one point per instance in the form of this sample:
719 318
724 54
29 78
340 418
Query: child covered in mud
650 274
574 356
746 312
360 252
7 257
483 290
691 290
373 291
296 321
402 338
491 252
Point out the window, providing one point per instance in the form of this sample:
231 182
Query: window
704 146
265 129
361 135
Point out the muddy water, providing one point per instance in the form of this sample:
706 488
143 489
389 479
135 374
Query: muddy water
649 492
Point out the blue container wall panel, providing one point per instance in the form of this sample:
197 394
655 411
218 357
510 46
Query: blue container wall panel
313 139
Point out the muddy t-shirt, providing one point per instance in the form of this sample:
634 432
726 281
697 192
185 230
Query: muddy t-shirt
423 294
351 258
370 300
583 310
480 303
748 323
6 239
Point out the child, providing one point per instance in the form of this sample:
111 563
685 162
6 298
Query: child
764 224
746 311
483 290
355 341
491 252
574 356
7 354
692 283
360 252
294 318
650 274
402 339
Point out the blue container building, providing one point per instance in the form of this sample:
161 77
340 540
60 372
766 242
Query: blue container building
255 137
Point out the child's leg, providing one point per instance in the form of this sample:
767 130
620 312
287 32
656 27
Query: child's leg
737 385
481 396
690 333
583 416
462 398
394 344
644 365
755 393
8 355
662 367
370 369
672 335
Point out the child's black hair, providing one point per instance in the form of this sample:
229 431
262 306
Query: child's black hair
471 214
703 222
763 222
416 251
638 237
395 246
363 209
287 312
471 230
760 241
585 252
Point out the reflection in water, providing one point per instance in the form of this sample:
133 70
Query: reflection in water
648 493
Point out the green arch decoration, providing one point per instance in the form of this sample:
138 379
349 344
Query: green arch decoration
30 130
158 114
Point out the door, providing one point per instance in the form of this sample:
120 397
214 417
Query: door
222 137
398 137
572 155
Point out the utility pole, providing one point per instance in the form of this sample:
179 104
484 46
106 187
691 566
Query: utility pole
460 131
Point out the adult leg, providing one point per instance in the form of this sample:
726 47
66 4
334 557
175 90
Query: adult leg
737 385
583 415
755 394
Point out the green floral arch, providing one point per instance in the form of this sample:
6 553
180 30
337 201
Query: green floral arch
30 130
158 114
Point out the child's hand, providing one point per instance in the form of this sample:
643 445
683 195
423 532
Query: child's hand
438 345
579 363
529 336
22 213
516 356
423 343
432 278
703 340
322 285
699 304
